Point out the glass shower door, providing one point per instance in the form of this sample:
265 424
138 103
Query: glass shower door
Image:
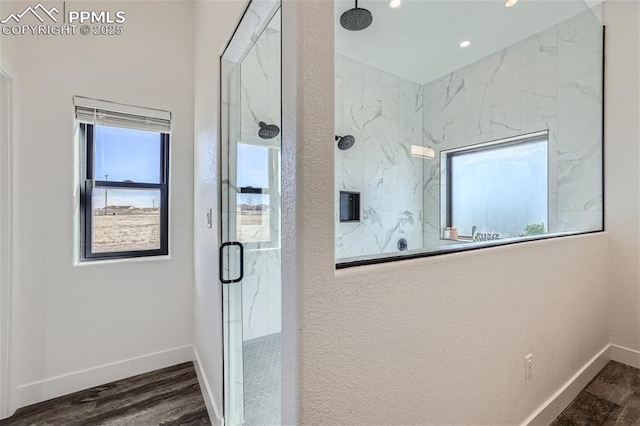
231 252
250 217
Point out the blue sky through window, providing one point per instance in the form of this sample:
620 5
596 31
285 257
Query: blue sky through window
126 154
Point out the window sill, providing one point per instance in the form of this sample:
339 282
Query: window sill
454 247
91 262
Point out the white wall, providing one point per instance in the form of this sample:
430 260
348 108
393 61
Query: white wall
8 48
78 326
622 173
406 342
6 226
214 24
8 153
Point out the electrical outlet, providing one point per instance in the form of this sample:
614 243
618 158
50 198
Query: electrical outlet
528 366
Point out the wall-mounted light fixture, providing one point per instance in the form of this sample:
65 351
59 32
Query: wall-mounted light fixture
423 152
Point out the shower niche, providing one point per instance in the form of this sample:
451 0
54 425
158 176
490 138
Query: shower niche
349 206
463 120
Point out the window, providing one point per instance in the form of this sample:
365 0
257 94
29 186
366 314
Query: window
124 190
498 190
257 216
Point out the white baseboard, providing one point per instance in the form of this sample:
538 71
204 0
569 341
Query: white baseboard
625 356
207 394
32 393
567 393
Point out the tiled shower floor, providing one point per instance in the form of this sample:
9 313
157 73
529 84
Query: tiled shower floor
262 380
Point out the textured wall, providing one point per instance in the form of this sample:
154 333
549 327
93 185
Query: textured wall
439 340
622 141
549 81
384 113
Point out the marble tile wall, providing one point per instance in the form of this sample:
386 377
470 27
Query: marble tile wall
260 86
384 114
550 81
580 145
261 296
260 94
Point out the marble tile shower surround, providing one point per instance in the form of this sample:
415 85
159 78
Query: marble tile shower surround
384 114
251 27
550 81
260 86
261 293
260 101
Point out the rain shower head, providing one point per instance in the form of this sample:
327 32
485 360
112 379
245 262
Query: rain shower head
268 131
356 19
345 142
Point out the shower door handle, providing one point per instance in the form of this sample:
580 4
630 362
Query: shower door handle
221 265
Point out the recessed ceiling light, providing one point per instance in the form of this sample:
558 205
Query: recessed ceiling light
396 3
465 43
510 3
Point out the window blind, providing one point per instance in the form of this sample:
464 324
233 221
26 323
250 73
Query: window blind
104 113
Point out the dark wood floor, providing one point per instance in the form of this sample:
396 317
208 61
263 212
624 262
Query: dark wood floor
167 397
611 398
172 397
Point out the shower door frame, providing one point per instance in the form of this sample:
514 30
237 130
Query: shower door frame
253 22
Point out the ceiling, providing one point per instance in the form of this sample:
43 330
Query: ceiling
420 39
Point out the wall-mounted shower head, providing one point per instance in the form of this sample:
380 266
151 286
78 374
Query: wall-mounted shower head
345 142
356 19
268 131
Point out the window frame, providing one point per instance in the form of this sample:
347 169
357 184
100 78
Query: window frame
88 183
272 191
529 138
